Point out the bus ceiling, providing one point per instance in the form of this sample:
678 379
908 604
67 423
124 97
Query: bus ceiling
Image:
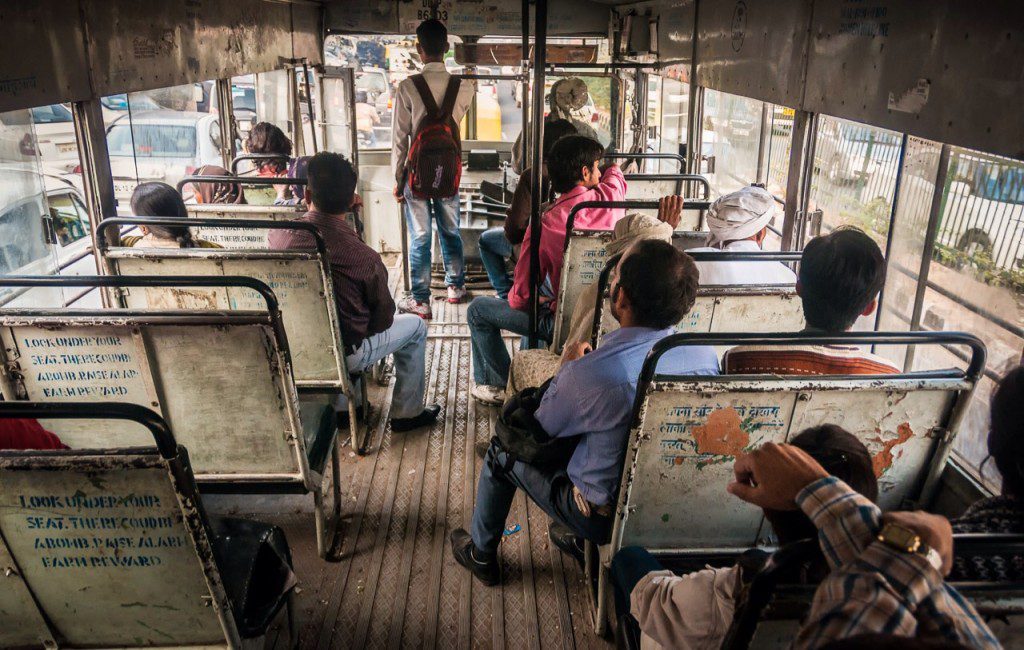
944 70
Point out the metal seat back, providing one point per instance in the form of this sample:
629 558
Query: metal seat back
107 548
736 308
300 279
221 379
687 431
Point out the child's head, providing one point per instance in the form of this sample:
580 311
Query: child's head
842 456
574 160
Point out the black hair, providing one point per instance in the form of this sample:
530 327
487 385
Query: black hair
842 455
554 130
432 36
567 158
840 274
265 137
332 182
157 199
1005 442
660 282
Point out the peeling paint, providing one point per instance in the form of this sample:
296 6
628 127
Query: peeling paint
882 460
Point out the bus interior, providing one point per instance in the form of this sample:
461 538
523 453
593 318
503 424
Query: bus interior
196 387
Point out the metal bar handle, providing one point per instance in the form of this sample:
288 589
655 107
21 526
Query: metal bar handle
241 180
165 442
679 178
624 205
973 372
117 281
256 157
255 224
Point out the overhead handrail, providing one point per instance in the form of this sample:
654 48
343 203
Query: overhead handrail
119 281
165 442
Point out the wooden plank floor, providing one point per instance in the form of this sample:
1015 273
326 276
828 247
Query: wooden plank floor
393 582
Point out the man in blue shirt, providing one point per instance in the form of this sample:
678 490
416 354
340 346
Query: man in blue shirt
591 397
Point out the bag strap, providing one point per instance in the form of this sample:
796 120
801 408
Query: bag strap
450 95
420 82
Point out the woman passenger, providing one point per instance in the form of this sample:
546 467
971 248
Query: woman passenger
1003 513
161 200
266 138
208 193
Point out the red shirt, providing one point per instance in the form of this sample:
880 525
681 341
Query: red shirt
18 433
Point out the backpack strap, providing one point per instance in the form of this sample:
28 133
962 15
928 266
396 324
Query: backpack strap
420 82
450 95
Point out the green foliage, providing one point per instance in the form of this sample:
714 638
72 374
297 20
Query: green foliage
982 266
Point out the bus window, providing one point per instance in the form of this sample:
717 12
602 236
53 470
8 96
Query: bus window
976 279
24 247
910 225
160 135
854 176
736 130
380 63
70 218
668 109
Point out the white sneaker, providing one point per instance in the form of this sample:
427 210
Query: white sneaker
488 394
456 294
409 305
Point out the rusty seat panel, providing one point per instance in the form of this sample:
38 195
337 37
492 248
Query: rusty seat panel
688 431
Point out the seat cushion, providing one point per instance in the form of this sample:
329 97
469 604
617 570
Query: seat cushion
255 565
319 427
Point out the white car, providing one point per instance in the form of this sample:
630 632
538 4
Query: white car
26 227
161 145
55 138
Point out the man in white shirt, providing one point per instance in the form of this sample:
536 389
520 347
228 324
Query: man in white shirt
739 223
431 44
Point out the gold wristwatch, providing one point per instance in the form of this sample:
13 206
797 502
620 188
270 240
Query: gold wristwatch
906 540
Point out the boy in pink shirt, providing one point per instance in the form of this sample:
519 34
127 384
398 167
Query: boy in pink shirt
573 167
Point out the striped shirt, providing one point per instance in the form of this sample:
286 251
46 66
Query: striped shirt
804 360
873 588
358 276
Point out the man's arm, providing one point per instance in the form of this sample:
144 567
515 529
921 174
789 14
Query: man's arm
518 216
378 298
519 295
846 521
401 129
612 186
885 590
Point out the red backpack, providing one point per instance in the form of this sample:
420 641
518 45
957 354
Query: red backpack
435 157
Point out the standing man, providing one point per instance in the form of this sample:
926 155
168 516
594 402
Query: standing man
414 141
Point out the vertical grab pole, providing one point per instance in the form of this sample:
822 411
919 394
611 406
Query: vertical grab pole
540 31
524 70
309 106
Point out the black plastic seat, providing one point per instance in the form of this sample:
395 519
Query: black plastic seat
319 423
255 564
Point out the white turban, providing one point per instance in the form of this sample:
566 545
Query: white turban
740 215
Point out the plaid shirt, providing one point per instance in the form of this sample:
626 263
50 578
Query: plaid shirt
874 588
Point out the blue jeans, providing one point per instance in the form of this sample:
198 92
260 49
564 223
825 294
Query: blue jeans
487 317
406 339
419 213
549 488
495 249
